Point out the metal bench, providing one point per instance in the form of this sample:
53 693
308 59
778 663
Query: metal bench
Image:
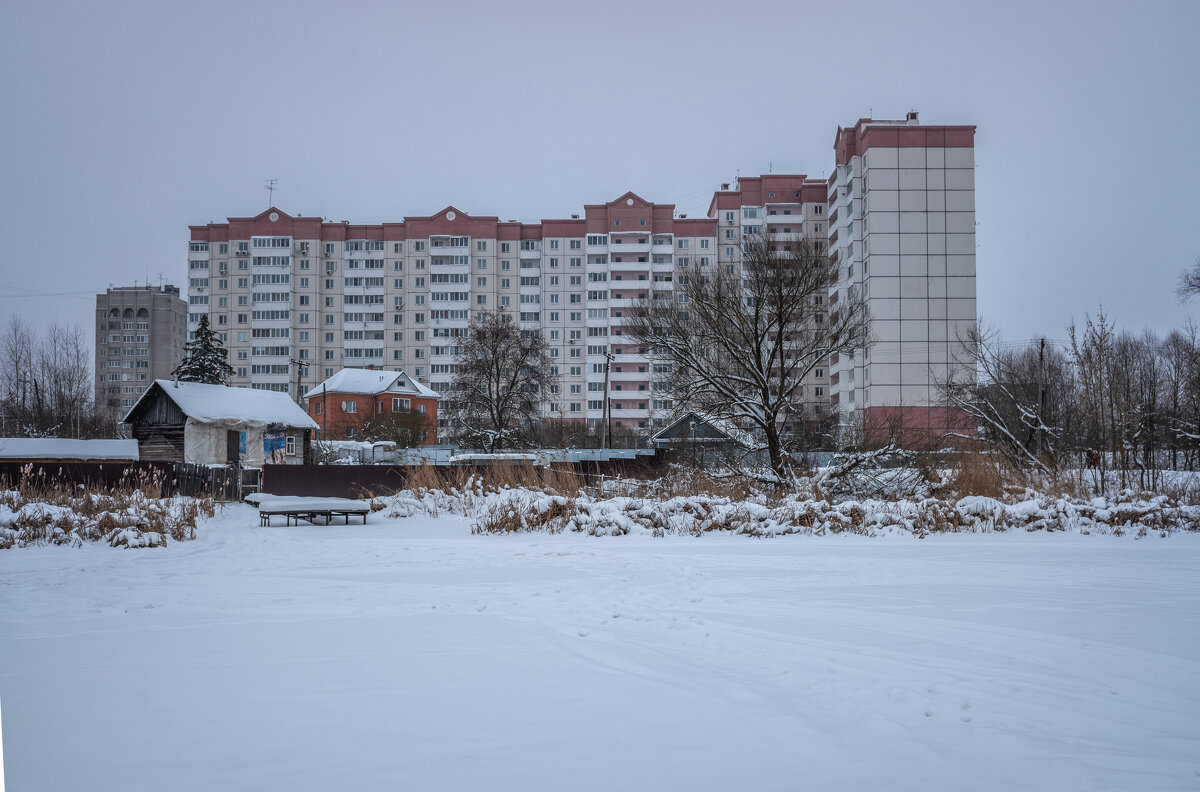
309 514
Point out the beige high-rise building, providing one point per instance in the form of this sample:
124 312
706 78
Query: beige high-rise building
140 333
901 209
295 298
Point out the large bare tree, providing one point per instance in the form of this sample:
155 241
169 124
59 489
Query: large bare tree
502 376
739 344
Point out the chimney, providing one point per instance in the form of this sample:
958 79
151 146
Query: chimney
724 186
574 217
911 117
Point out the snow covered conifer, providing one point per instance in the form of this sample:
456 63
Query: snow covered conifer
204 358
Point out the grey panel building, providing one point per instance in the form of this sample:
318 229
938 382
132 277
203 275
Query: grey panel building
140 333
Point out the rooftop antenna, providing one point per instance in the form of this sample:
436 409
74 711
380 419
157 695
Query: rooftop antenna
270 187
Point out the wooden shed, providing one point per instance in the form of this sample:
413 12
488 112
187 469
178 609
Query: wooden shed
216 424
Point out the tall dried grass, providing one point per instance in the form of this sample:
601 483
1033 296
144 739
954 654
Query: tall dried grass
41 508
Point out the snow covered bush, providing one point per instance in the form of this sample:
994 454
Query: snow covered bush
37 513
525 510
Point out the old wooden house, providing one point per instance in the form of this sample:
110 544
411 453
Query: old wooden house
216 424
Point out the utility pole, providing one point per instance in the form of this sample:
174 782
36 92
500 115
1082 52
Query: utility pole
606 415
301 368
1041 392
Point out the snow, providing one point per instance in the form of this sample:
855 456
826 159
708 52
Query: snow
212 403
266 502
370 381
64 448
497 457
409 653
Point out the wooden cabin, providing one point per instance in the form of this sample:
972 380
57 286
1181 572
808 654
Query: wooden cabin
217 425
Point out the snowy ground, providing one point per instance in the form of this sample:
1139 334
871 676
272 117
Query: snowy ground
409 654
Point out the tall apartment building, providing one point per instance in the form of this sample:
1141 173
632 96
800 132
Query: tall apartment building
902 231
140 333
297 298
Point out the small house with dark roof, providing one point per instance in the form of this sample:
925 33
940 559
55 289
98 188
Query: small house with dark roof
703 436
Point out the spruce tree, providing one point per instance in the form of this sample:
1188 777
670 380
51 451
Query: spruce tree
204 358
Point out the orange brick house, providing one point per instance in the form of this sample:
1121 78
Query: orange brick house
344 403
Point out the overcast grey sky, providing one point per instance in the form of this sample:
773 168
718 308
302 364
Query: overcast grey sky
124 122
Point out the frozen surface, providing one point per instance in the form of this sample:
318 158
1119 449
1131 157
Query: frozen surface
409 654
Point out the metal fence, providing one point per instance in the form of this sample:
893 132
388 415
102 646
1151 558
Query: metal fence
358 481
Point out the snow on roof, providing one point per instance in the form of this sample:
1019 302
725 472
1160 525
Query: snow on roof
726 427
371 382
208 403
509 457
62 448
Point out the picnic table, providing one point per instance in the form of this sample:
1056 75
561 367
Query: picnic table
298 508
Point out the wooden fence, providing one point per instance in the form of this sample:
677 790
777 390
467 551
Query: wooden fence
159 479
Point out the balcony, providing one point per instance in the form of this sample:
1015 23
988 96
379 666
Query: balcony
529 254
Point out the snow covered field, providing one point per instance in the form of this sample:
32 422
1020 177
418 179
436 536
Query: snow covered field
410 654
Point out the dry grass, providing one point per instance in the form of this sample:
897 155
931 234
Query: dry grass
977 473
45 510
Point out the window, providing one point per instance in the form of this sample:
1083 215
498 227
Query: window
290 445
350 406
401 405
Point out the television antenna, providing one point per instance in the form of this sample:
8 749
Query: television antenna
270 186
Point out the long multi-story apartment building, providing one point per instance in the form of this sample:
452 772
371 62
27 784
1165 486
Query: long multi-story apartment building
140 333
298 298
901 208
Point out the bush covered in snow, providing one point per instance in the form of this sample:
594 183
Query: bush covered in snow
123 518
524 510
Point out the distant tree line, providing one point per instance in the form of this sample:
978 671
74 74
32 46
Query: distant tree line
1103 397
47 383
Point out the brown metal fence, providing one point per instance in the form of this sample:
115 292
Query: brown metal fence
358 481
340 481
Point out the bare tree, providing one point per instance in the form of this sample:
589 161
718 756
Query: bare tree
740 344
48 381
1016 396
1189 282
503 375
405 429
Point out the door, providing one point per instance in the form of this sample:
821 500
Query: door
232 443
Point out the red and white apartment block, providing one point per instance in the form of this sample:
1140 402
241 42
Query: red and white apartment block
897 214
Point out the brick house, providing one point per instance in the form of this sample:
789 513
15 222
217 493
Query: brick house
344 403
